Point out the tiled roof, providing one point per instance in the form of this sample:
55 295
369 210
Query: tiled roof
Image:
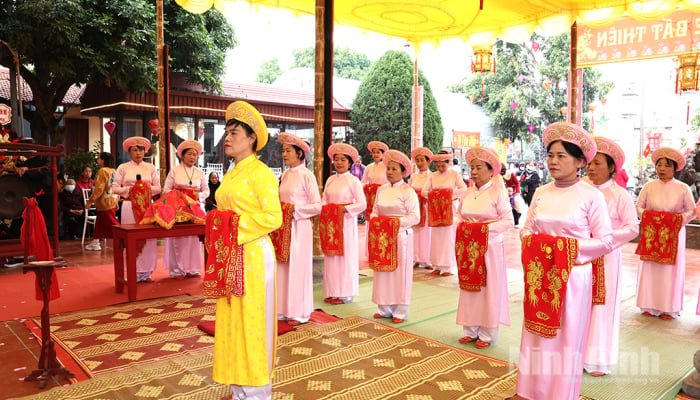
72 97
266 93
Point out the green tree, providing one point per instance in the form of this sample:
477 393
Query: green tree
535 82
62 43
346 63
382 107
269 71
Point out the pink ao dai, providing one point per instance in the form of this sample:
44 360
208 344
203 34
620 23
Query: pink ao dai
442 244
124 179
603 346
184 255
393 289
659 286
295 293
341 273
489 307
421 234
552 368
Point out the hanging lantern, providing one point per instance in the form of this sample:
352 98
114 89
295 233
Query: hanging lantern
483 61
531 128
687 73
153 126
472 98
110 126
513 105
521 79
603 101
547 84
535 46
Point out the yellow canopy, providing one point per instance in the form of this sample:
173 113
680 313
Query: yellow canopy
421 21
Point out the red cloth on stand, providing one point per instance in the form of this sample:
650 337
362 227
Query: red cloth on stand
38 243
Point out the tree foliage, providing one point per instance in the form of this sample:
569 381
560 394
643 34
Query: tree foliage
346 63
382 107
269 71
535 82
65 42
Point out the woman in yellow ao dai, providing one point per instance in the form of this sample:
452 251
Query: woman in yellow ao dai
246 326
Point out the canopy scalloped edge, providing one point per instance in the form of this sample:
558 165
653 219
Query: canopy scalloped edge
425 22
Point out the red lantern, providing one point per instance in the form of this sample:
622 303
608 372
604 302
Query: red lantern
547 84
535 46
531 128
153 126
110 126
513 105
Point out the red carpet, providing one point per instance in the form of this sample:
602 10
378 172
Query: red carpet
83 288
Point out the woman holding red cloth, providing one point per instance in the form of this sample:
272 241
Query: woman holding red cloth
240 269
482 307
126 177
422 157
442 189
343 200
567 227
393 279
604 335
298 190
660 283
183 255
105 202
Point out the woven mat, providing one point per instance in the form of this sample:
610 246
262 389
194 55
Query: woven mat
115 338
360 359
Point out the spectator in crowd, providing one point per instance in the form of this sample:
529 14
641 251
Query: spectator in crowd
517 204
210 202
85 180
105 202
358 169
542 173
510 179
72 208
529 181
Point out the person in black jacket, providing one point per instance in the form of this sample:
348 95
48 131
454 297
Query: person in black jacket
529 181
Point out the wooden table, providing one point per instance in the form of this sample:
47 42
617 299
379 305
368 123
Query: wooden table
132 237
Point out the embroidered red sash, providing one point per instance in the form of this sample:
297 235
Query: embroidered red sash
38 244
440 207
370 190
331 225
282 237
423 208
472 241
383 243
224 270
547 262
659 241
599 281
140 196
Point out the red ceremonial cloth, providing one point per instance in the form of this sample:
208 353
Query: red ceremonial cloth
282 237
370 190
659 241
421 203
599 280
37 243
440 207
331 225
547 262
140 196
471 243
176 206
192 193
223 272
383 243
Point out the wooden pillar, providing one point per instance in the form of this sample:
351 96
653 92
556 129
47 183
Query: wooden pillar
575 81
323 102
162 134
